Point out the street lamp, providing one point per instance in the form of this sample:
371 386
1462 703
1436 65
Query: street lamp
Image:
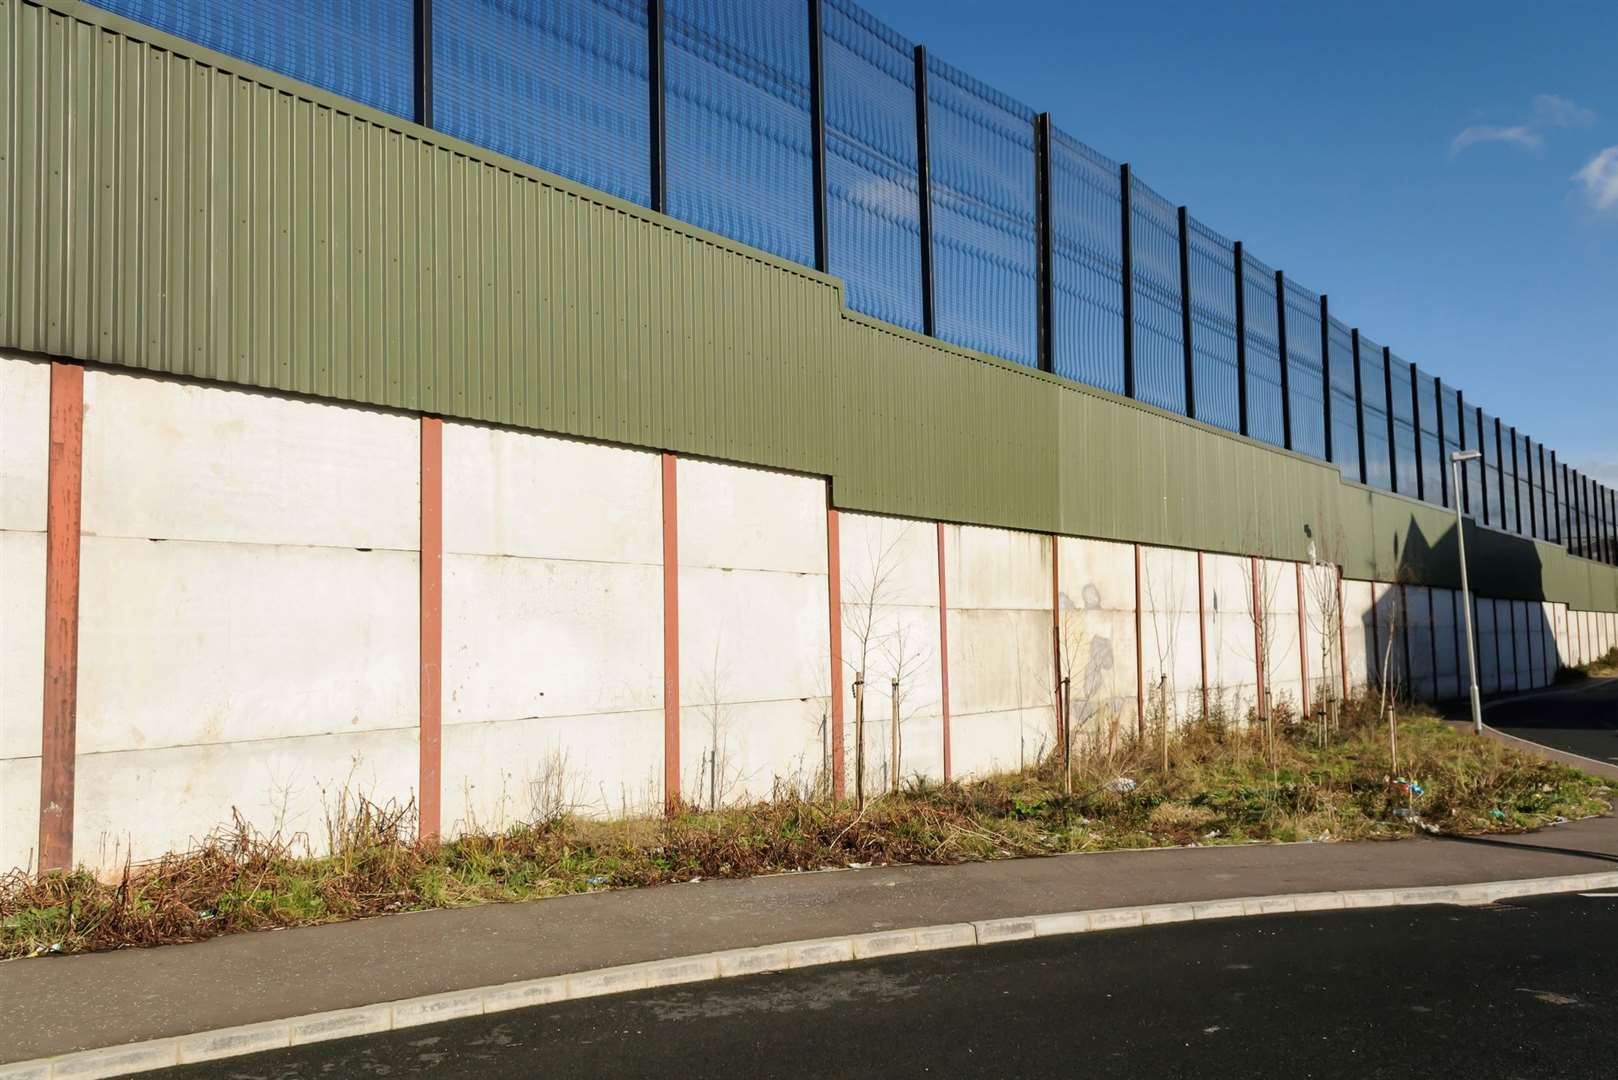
1455 460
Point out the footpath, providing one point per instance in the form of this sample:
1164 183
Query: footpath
57 1005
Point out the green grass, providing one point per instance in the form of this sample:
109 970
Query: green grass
1223 785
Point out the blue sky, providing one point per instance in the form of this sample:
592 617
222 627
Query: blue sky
1437 168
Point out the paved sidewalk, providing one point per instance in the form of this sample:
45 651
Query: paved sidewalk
55 1005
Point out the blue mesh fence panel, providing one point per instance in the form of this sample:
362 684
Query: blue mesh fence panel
873 208
1154 234
1525 488
1345 434
1264 420
738 139
980 147
1404 428
1087 265
1453 434
1508 504
1491 475
1374 408
361 49
1432 451
1213 328
560 85
1305 378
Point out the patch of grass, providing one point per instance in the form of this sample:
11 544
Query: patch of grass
1224 784
1602 667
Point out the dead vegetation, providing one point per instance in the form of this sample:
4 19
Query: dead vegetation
1224 783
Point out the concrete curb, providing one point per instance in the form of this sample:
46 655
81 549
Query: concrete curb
413 1012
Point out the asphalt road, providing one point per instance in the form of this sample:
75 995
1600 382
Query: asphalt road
1519 990
1582 720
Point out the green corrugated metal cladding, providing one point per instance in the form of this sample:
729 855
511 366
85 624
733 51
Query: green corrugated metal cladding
173 210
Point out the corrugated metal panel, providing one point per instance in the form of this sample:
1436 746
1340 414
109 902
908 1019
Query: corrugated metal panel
172 211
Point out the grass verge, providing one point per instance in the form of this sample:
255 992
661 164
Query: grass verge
1221 785
1602 667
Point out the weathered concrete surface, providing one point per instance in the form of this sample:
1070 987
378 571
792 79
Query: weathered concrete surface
178 990
1232 644
1171 640
1097 619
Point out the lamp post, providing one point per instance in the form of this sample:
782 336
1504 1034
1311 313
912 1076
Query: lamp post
1455 460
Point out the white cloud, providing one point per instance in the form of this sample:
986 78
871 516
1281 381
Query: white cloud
1520 135
1600 179
1555 111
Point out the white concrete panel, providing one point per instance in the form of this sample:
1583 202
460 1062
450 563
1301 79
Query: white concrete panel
1488 645
735 517
1096 593
1564 648
1553 641
1322 629
1278 594
542 637
1422 644
508 772
997 568
999 660
759 747
1001 741
541 496
1359 642
185 643
1171 637
1388 610
1528 645
1232 635
25 424
1449 680
140 804
889 591
19 814
184 461
749 635
1506 628
22 642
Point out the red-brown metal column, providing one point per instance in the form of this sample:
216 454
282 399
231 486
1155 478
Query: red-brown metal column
59 722
431 608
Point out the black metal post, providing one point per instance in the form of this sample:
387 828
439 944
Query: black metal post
924 187
1325 372
1185 313
1544 494
1516 481
1415 425
1126 209
1042 208
1393 446
1500 471
1483 463
1241 344
1557 489
817 133
1286 363
1359 402
1528 476
1465 494
1443 444
424 62
657 116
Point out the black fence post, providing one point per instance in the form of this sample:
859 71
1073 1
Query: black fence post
1241 340
1393 445
1483 463
1516 481
1325 372
1126 211
1359 402
924 187
1500 471
1443 444
1528 476
1185 313
1042 208
658 118
1286 362
1544 493
1465 494
1415 425
1556 500
817 132
424 62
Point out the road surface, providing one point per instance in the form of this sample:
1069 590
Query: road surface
1520 990
1581 720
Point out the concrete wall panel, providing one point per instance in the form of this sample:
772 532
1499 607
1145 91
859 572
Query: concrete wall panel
1283 662
184 461
1507 630
734 517
1359 622
184 643
1447 645
1322 629
25 401
1232 644
889 593
19 813
1387 609
1553 641
139 804
1171 642
22 642
1001 663
1097 634
1418 600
